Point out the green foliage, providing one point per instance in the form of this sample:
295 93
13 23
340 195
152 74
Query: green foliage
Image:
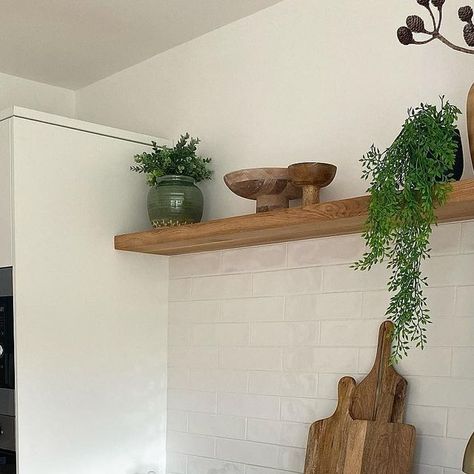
407 182
180 160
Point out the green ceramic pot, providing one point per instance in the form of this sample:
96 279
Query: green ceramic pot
175 200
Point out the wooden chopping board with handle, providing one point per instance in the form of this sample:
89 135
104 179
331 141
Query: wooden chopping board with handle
381 395
470 121
327 438
376 447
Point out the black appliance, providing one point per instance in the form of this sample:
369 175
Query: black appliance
7 375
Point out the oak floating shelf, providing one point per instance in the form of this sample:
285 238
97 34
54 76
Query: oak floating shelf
346 216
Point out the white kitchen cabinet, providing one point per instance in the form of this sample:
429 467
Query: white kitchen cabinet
90 322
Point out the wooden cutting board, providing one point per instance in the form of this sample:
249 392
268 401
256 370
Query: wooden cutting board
327 438
375 447
381 395
470 121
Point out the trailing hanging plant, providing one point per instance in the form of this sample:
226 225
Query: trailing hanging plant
180 160
407 182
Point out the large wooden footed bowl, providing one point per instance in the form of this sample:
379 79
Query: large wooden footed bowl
270 187
311 177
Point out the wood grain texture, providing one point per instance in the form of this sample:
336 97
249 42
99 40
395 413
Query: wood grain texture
346 216
381 395
470 121
326 450
375 447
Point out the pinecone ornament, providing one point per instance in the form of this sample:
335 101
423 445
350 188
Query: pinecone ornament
437 3
415 24
469 34
424 3
405 36
465 14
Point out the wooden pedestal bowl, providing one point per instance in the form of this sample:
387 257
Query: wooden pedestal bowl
311 177
270 187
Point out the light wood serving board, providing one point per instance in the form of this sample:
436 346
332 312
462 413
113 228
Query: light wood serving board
375 447
327 438
381 395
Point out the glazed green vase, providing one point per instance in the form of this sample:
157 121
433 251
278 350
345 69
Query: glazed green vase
175 200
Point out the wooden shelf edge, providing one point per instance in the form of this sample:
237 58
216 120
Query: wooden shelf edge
346 216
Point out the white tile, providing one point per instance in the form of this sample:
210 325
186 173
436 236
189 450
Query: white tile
217 425
206 263
465 301
178 377
178 334
278 432
339 305
248 452
287 282
190 444
249 405
286 384
425 469
455 332
467 239
252 358
284 334
327 385
446 452
463 362
179 290
198 357
349 333
344 278
222 287
430 421
301 307
441 391
450 270
335 360
291 459
447 470
265 383
263 470
253 309
445 239
431 361
326 251
213 466
254 258
176 463
460 422
192 400
306 410
440 302
193 312
234 334
301 359
218 380
177 420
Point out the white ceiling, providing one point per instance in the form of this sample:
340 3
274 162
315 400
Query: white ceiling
72 43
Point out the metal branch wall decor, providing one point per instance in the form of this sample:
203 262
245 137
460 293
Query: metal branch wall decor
416 25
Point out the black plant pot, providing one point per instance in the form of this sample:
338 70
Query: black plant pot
456 171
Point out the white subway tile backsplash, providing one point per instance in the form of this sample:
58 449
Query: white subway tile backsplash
284 334
325 251
219 334
253 309
254 258
252 358
429 421
460 422
222 287
287 282
206 263
187 443
192 400
217 425
197 465
256 351
249 405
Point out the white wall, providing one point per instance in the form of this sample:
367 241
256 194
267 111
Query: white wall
302 80
35 95
259 337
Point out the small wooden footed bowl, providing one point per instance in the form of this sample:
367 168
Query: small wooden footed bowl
311 177
270 187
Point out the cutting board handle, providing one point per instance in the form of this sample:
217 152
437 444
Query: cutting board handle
345 390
